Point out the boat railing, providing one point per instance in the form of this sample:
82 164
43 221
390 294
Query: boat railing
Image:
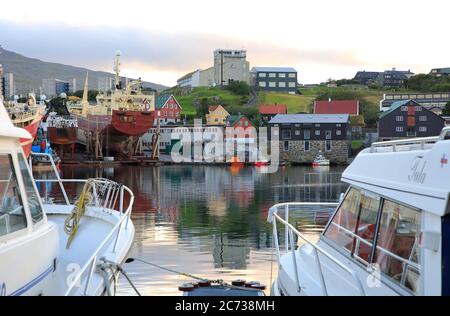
410 144
105 193
291 243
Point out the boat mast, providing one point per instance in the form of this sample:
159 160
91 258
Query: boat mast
84 101
117 69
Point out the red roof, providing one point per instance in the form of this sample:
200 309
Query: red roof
269 109
337 107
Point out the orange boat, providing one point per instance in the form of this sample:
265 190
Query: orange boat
27 116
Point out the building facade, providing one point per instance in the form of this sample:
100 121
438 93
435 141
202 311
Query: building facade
439 72
168 110
275 79
54 87
435 101
105 84
7 86
407 119
394 78
304 136
366 77
230 65
217 115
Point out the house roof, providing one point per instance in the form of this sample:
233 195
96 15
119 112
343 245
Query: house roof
232 119
273 69
394 106
273 109
366 75
162 99
188 75
309 118
337 107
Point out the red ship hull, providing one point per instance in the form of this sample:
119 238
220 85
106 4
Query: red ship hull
119 131
32 128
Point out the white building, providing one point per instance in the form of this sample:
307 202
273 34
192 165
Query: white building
230 65
105 84
197 78
8 85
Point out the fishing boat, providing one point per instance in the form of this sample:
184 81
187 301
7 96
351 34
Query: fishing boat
27 116
44 248
116 123
388 235
62 131
320 160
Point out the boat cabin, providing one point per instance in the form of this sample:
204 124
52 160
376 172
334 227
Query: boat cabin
389 234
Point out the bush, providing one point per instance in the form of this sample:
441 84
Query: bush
238 87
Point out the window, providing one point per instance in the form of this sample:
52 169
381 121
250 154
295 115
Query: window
399 118
307 134
262 84
317 125
262 75
338 125
307 145
292 84
282 75
317 132
297 132
418 108
398 234
272 84
404 108
216 119
34 204
286 133
399 129
12 216
338 132
423 118
246 123
292 75
328 145
286 146
356 217
282 84
422 129
272 75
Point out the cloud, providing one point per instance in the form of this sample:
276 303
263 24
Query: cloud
169 52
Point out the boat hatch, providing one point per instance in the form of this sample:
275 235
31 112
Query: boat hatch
379 232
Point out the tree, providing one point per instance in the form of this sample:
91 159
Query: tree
92 94
446 110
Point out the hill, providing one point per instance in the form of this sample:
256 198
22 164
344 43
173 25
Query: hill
29 72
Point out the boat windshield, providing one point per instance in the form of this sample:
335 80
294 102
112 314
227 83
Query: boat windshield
33 199
12 214
380 232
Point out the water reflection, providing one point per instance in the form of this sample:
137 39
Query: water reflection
206 220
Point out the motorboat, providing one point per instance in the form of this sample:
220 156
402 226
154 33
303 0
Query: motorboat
320 160
58 248
388 235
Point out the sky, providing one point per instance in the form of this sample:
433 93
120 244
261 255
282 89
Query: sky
162 40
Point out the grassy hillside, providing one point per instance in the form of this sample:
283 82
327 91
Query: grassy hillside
212 95
295 103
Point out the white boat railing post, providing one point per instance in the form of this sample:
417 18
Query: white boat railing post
91 272
275 238
322 278
286 231
121 201
294 259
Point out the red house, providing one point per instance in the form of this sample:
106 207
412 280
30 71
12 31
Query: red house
167 108
238 121
350 107
268 111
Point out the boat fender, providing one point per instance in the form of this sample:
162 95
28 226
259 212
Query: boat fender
186 287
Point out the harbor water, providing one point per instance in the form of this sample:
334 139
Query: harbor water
209 221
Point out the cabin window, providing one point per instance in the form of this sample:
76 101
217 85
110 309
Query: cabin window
398 246
353 225
33 199
286 134
12 215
